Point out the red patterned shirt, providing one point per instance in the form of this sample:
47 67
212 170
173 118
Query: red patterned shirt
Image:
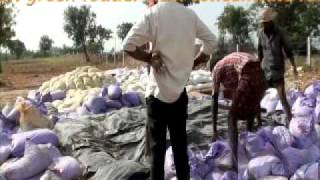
228 71
243 82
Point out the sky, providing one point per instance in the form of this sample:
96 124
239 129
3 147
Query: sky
45 17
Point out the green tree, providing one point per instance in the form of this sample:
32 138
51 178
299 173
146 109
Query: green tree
78 23
299 19
123 29
235 21
81 27
45 44
16 48
222 48
97 36
6 24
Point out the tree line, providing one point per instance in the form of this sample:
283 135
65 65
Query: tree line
79 24
236 25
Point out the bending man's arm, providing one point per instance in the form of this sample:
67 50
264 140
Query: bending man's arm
260 50
214 106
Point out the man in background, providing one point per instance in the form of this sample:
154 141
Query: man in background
172 29
272 44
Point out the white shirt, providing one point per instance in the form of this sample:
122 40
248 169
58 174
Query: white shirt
172 29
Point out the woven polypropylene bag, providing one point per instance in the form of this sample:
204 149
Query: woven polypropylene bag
33 163
219 154
255 145
282 137
66 167
307 171
5 152
270 100
265 166
39 136
313 89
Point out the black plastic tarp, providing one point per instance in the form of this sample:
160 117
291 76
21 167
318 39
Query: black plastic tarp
111 146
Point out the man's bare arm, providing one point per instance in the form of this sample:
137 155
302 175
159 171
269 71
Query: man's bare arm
140 55
215 115
200 58
153 59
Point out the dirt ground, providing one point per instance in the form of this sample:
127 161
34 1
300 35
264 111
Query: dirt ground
18 84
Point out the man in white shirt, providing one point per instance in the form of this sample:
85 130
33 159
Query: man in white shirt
172 29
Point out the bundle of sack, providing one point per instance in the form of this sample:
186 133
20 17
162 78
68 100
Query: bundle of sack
28 145
199 79
84 91
200 76
34 155
132 79
270 153
24 115
297 100
74 99
204 165
98 100
278 151
137 79
85 77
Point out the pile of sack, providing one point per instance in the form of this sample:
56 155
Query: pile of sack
299 101
203 164
85 77
272 152
111 98
28 113
199 79
84 91
74 98
28 145
132 79
80 102
283 152
33 155
137 79
98 100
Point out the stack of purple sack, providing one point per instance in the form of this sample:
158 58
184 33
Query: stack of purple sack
271 102
204 165
270 153
287 156
33 155
111 98
303 122
10 115
39 99
292 96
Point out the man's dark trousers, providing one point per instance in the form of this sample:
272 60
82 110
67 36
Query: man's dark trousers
173 116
